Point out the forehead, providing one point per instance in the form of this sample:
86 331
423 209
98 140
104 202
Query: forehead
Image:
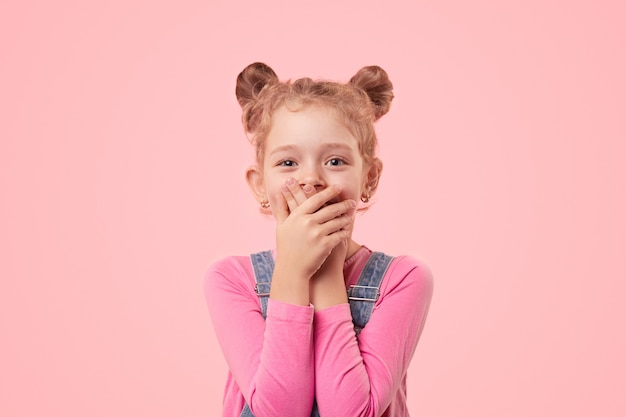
307 126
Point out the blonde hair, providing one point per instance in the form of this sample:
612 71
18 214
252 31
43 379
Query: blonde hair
357 104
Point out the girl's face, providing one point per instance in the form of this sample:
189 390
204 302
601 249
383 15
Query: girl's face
314 148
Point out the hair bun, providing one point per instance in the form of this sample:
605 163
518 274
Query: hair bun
376 84
251 81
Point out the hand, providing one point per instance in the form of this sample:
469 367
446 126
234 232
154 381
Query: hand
295 196
311 230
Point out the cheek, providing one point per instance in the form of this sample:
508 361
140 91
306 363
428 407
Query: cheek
349 191
273 199
271 183
351 186
273 191
352 194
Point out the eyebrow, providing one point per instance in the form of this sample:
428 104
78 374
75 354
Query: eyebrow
283 148
325 145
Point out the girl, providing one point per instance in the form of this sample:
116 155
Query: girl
321 325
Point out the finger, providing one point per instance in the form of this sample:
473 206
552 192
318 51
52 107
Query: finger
331 211
339 236
337 224
319 199
309 190
296 190
289 197
280 209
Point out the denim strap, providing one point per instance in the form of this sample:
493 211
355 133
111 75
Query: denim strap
263 265
364 294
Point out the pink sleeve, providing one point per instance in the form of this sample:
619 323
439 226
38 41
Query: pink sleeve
271 360
360 377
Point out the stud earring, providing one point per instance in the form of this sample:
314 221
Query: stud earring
365 198
265 204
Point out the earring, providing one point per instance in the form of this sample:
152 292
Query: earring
265 204
365 198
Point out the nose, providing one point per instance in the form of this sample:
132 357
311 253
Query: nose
311 175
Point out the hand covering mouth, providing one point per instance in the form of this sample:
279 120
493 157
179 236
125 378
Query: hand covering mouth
328 203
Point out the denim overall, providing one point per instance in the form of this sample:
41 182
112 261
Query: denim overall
361 296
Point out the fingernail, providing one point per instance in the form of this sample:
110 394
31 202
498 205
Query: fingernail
291 181
352 203
337 188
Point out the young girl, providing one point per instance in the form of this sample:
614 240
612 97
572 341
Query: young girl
320 325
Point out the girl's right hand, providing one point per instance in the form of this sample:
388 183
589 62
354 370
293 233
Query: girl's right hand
308 230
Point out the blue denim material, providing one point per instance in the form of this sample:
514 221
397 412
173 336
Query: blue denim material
365 293
361 296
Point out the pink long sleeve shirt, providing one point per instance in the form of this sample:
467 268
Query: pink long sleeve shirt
280 364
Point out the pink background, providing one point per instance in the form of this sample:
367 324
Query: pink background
121 178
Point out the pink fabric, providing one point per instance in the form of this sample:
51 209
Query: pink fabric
280 364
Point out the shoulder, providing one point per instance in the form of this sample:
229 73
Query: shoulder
229 264
409 274
229 272
406 264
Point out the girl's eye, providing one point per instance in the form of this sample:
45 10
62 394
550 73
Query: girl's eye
286 163
335 162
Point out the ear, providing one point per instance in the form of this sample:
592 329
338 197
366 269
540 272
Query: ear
372 177
254 177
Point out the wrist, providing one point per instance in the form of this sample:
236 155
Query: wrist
291 270
327 290
289 288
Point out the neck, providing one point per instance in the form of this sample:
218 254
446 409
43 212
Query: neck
353 247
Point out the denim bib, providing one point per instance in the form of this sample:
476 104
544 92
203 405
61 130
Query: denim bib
362 296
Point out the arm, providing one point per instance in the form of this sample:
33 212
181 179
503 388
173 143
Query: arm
359 377
271 360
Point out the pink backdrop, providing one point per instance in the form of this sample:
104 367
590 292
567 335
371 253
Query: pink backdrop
122 159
